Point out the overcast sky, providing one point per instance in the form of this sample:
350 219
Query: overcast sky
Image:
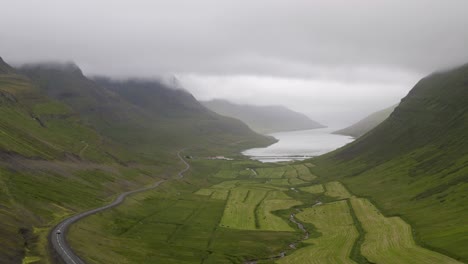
335 60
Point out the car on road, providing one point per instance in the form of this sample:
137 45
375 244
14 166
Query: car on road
58 232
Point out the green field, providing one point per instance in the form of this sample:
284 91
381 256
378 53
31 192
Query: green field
274 201
251 209
271 173
182 223
336 190
338 234
318 188
415 163
241 207
205 218
390 239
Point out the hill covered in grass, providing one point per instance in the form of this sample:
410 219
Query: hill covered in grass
264 119
69 143
146 116
52 164
366 124
415 163
5 68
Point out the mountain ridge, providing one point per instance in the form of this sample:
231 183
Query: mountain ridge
367 123
264 119
68 144
121 111
415 163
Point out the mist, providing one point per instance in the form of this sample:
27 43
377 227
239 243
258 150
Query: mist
315 57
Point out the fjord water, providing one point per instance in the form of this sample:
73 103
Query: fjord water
299 145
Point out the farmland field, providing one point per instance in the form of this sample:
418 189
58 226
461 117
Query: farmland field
271 173
318 188
239 212
390 239
235 212
337 190
338 234
274 201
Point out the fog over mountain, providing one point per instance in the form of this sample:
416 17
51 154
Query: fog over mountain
263 119
366 124
325 61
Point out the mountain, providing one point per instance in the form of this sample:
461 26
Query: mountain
264 119
51 164
35 126
69 144
415 163
366 124
186 121
146 116
5 68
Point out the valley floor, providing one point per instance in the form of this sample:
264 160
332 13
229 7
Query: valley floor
248 212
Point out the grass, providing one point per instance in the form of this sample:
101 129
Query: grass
304 173
65 155
41 197
336 190
390 239
445 210
241 207
271 173
191 220
178 223
317 188
337 235
415 164
68 145
274 201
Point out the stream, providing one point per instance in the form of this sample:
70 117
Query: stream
292 218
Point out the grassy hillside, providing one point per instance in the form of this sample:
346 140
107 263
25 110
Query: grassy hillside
51 165
264 119
5 68
366 124
415 164
67 144
220 212
182 119
35 126
243 211
146 116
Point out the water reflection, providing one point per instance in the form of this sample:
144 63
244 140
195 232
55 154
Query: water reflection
299 145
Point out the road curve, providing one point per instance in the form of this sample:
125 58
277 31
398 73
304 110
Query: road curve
57 236
187 166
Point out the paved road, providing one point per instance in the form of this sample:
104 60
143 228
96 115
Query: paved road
57 236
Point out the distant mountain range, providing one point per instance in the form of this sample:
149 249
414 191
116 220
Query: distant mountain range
264 119
366 124
415 163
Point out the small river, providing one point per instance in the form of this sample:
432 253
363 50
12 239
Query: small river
299 145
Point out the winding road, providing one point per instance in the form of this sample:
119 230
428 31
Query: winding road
57 236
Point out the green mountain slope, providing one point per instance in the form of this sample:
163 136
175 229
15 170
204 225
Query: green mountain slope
415 164
34 126
5 68
68 144
366 124
185 121
264 119
146 116
51 165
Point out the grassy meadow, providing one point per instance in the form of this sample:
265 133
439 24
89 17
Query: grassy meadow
234 212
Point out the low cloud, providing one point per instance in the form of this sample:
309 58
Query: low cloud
373 50
333 103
